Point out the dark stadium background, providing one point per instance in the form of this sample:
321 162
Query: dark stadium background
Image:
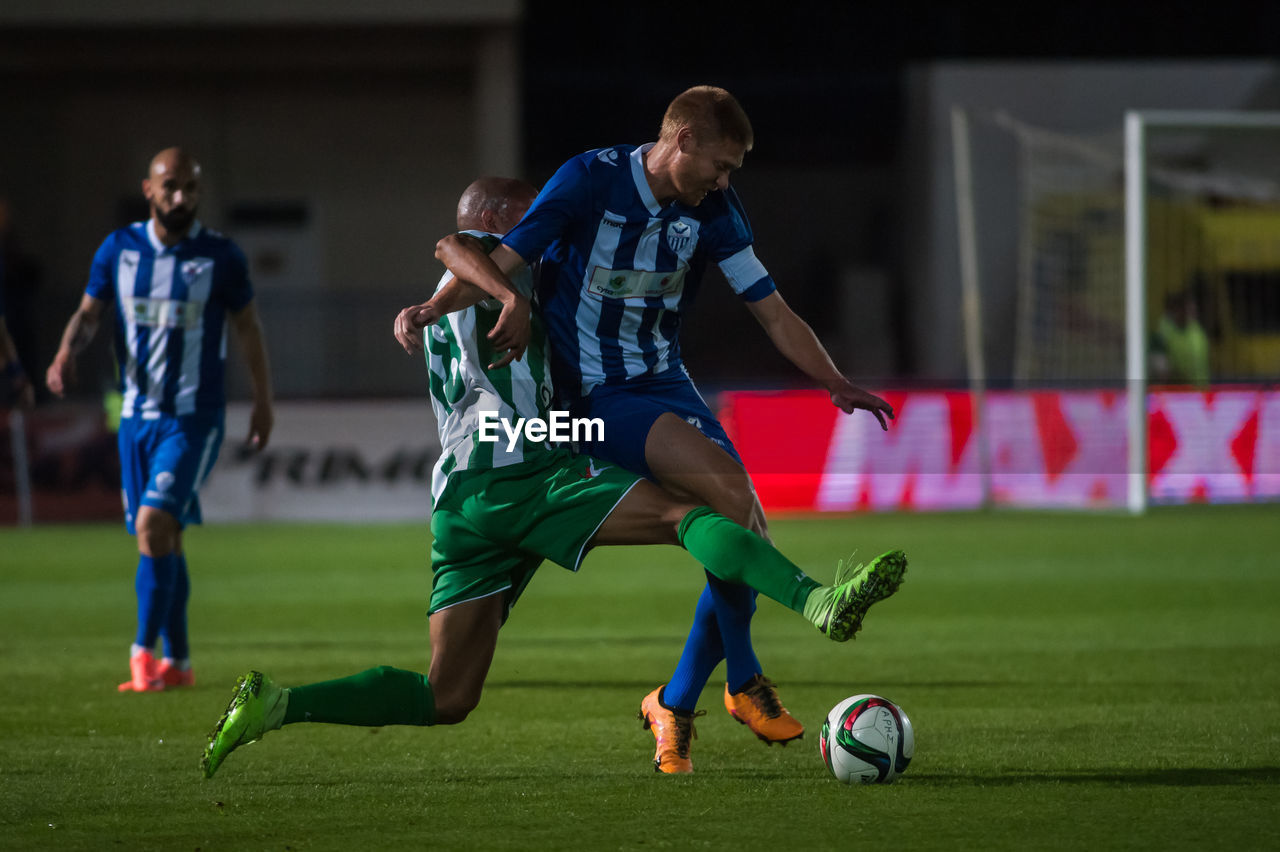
832 185
826 84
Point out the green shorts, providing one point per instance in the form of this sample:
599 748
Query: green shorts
493 527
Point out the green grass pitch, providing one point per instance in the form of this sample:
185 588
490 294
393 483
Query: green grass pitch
1075 681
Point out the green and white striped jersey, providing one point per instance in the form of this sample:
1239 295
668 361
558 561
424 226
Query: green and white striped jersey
462 389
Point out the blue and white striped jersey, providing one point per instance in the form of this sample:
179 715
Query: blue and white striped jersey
171 305
618 269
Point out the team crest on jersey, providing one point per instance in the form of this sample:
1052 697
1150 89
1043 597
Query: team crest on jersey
608 155
678 236
193 269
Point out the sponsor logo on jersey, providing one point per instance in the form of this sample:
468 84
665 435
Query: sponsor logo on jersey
163 313
634 283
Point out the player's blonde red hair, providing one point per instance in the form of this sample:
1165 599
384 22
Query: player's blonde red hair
711 113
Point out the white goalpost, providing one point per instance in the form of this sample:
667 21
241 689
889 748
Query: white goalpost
1138 126
1175 213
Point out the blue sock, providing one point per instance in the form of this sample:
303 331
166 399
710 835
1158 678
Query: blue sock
154 586
721 631
735 605
174 628
703 651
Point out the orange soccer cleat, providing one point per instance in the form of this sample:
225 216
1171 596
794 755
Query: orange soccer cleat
673 729
172 676
757 706
143 674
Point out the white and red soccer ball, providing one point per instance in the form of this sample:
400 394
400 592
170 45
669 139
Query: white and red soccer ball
867 739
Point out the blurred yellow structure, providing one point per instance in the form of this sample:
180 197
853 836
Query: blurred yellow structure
1229 258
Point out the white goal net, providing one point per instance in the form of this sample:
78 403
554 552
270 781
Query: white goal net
1145 261
1211 205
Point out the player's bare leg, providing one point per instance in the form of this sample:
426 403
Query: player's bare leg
647 515
687 462
463 640
158 531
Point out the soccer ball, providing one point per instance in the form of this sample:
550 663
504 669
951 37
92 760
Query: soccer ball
867 739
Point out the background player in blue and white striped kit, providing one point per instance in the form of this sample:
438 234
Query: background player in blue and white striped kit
173 283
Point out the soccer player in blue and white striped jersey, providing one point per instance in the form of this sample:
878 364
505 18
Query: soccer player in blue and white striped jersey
624 235
173 284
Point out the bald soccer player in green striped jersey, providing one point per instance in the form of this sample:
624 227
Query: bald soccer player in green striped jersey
502 507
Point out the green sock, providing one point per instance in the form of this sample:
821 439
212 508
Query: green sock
376 697
734 553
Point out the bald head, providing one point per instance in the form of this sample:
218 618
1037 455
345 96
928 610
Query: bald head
172 160
172 187
494 204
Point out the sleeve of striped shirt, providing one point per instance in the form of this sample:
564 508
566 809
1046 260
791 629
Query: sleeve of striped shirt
747 275
101 278
734 253
235 274
566 196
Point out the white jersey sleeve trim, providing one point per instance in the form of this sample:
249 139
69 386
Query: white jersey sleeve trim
743 270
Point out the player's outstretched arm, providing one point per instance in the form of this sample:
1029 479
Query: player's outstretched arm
795 339
252 344
80 330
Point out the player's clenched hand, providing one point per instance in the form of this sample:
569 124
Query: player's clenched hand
849 399
261 420
60 376
409 324
511 332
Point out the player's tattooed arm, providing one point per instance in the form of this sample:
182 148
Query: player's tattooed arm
80 331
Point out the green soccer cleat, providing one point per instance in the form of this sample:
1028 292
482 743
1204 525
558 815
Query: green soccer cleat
838 610
257 706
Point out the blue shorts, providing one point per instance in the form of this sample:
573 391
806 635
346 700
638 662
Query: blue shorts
630 410
164 461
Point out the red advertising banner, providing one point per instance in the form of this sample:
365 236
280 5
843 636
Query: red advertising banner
371 461
1044 449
